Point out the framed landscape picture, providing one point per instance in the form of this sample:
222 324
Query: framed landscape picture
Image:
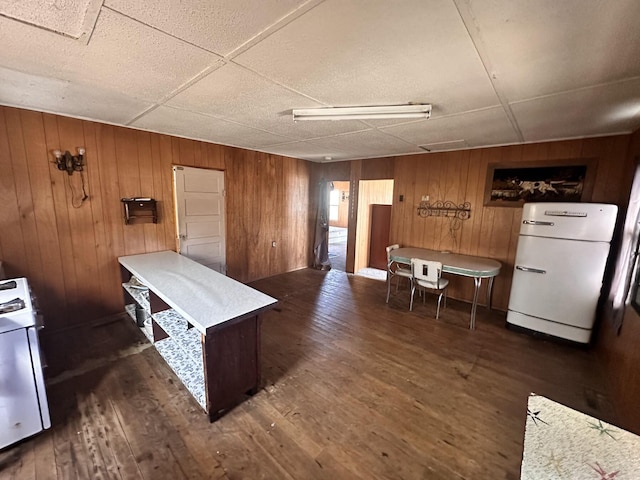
513 184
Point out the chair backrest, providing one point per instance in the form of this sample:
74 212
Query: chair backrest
389 249
426 270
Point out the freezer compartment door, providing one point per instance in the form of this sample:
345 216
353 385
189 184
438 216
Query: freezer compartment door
19 407
558 280
592 222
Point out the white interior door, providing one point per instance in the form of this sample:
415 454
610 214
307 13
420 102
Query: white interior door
200 215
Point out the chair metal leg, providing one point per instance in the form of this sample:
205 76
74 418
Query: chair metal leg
413 289
388 286
438 309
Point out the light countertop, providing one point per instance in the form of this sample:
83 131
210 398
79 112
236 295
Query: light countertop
203 296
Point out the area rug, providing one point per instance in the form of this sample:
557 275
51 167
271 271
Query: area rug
562 443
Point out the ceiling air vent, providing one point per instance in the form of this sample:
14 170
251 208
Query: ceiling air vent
444 146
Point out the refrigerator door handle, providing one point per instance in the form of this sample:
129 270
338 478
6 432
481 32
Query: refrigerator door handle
537 222
529 269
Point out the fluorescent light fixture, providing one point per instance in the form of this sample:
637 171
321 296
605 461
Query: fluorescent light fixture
363 113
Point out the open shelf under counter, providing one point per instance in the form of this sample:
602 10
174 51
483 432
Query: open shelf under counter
139 295
189 370
203 321
190 341
146 328
171 322
175 326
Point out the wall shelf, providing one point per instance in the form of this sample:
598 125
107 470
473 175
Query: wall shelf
144 209
445 209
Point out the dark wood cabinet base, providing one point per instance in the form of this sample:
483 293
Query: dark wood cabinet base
231 363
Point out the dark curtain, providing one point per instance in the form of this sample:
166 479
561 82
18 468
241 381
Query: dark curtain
321 242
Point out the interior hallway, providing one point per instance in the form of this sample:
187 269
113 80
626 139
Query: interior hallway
338 248
338 255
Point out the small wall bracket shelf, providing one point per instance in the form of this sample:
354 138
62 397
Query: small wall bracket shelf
144 209
445 209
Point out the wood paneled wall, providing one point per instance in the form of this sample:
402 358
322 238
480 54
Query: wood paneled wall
620 353
70 254
267 200
491 231
460 177
621 357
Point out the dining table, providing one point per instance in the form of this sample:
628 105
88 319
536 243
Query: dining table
477 268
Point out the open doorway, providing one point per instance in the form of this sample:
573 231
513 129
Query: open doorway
338 224
374 225
372 232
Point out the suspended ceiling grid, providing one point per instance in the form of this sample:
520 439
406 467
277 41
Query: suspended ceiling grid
497 72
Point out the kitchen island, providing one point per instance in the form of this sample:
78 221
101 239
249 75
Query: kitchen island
205 325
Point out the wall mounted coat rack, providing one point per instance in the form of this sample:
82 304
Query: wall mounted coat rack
445 209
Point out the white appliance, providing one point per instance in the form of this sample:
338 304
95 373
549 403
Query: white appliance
560 262
23 400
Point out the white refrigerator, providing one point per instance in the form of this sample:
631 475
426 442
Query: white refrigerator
559 267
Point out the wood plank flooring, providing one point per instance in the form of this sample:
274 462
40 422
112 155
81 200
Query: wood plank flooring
353 388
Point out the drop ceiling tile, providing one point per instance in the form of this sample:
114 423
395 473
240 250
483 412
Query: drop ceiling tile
201 127
365 52
542 47
607 109
297 54
36 51
122 55
60 96
220 26
481 127
235 93
307 151
73 18
369 143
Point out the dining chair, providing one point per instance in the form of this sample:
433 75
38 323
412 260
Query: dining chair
427 275
395 270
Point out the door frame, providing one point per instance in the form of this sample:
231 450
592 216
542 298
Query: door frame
175 207
368 193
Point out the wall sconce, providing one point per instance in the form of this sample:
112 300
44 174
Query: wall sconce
69 163
345 196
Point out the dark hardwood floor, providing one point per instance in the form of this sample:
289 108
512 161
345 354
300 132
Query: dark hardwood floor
352 388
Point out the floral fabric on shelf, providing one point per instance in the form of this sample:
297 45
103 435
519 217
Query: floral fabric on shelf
561 443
